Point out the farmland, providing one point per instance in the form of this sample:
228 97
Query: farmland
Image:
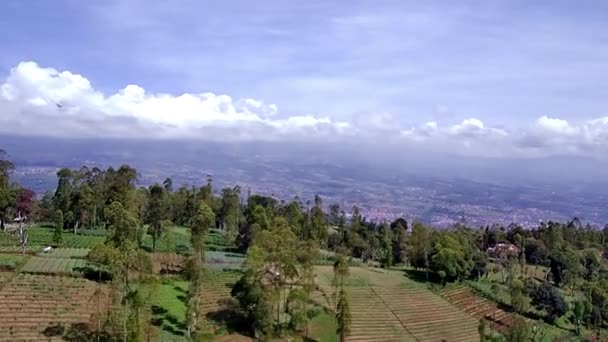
34 307
386 306
39 236
169 308
11 262
215 297
67 253
53 265
478 307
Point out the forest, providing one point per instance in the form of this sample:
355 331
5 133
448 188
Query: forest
551 277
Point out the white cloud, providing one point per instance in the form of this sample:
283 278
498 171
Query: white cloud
69 99
43 101
555 125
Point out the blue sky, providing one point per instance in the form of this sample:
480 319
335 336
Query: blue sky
365 63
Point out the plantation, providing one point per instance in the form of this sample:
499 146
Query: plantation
478 307
301 273
169 306
74 253
39 308
386 306
215 298
11 262
54 265
44 237
169 310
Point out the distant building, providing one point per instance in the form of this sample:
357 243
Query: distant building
503 249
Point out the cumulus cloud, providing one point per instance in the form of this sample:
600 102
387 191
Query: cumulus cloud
70 102
43 101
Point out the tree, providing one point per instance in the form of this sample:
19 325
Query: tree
481 329
451 257
563 261
388 246
63 194
399 228
297 309
546 297
318 224
519 301
341 272
201 222
58 232
343 316
156 212
6 193
581 314
230 211
419 247
519 331
122 224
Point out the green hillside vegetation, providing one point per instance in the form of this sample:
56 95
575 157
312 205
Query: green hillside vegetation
198 263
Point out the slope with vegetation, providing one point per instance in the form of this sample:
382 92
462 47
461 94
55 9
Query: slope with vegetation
196 263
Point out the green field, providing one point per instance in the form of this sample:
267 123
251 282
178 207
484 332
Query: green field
70 253
54 265
169 310
386 305
11 262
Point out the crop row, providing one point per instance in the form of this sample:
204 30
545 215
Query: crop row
67 253
478 307
215 293
404 314
53 265
31 303
44 237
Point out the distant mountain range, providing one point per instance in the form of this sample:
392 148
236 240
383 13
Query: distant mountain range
436 189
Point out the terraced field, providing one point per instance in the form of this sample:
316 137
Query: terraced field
67 253
215 296
33 304
466 300
53 265
386 306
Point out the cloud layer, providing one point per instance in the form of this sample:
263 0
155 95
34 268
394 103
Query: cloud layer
35 100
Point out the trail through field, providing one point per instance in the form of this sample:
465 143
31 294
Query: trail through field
386 306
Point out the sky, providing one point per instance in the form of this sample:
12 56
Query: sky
482 78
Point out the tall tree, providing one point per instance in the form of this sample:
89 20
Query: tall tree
201 222
230 211
420 246
58 232
156 212
343 316
63 194
6 193
123 225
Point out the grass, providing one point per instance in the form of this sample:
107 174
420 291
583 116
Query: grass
169 310
177 240
54 265
362 276
70 253
11 262
322 327
44 237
